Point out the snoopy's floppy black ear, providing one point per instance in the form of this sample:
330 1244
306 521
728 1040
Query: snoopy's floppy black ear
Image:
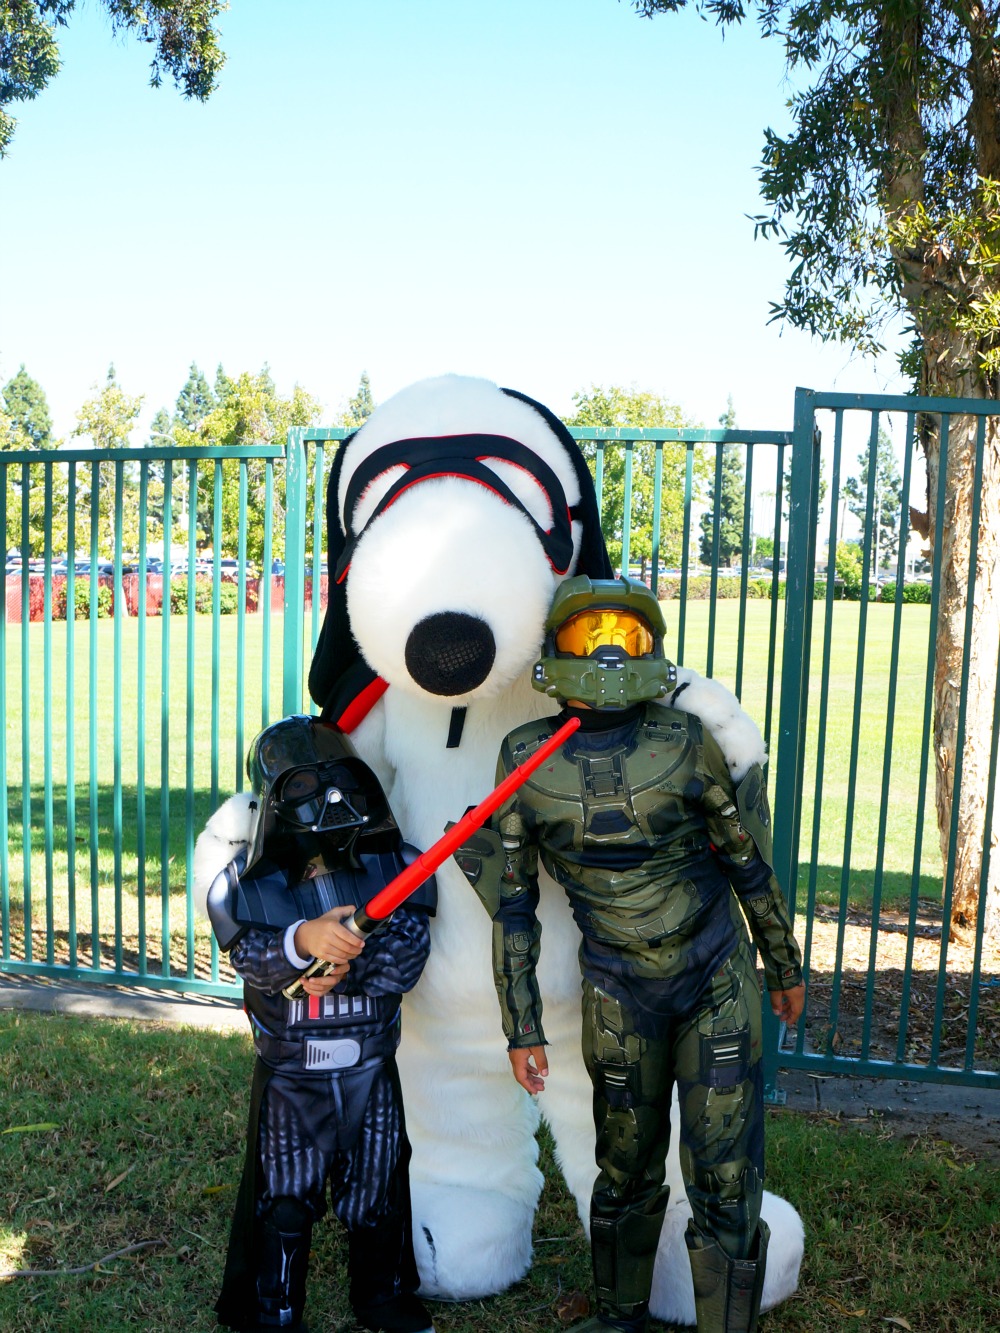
593 559
337 659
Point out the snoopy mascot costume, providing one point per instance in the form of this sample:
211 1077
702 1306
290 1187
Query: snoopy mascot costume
453 514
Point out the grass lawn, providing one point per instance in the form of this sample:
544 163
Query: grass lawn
145 1142
106 875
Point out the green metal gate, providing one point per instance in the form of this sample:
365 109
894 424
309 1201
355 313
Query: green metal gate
854 767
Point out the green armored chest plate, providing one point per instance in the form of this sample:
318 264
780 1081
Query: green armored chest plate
627 793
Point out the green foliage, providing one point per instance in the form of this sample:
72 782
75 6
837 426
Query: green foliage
108 418
888 490
182 33
850 566
728 471
203 596
918 593
195 400
699 588
229 596
25 424
360 407
729 506
81 601
160 430
617 407
249 410
223 384
886 191
29 425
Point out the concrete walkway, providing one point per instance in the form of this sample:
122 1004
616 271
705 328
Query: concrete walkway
152 1006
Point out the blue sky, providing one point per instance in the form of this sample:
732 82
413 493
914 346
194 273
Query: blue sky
550 193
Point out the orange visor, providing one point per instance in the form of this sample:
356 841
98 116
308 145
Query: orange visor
583 633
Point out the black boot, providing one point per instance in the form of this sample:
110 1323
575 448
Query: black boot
281 1258
384 1277
726 1291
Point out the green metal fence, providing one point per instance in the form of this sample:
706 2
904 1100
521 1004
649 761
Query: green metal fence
124 731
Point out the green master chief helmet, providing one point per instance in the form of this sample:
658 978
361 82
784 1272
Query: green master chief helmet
603 645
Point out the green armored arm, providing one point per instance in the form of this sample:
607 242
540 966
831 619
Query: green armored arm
501 864
739 826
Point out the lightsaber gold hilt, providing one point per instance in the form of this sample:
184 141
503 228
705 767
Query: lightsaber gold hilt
360 924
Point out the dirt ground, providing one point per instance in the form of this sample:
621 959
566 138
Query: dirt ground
929 1002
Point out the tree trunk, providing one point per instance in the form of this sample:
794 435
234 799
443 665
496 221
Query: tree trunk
953 576
935 287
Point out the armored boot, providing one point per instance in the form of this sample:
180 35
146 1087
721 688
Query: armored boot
726 1291
281 1255
623 1252
384 1277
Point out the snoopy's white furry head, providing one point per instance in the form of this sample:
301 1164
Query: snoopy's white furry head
452 464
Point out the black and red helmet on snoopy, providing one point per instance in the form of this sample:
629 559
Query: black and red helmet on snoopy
316 799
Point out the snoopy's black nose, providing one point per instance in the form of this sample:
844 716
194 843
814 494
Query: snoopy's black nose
450 652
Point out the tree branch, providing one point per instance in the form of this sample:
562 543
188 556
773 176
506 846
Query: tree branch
85 1268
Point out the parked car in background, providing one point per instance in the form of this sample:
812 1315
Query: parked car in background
154 565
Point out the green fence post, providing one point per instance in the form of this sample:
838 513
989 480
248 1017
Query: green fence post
293 664
786 791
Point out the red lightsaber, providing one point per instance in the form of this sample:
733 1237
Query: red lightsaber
386 901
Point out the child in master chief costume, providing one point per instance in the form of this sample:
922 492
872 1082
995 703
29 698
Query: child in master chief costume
325 1106
638 818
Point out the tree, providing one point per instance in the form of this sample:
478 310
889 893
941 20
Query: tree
888 489
223 384
618 407
181 31
729 503
360 407
850 567
250 412
108 418
886 197
25 424
161 428
195 400
27 410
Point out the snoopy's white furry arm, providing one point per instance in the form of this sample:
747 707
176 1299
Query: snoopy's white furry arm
736 733
225 834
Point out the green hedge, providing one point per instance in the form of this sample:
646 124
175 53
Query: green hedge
203 592
919 593
699 588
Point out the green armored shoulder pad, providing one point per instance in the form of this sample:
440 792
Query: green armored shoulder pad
755 813
482 860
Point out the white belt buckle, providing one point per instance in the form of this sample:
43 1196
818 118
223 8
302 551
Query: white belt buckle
338 1053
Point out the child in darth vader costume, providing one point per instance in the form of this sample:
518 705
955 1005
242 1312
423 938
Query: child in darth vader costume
325 1107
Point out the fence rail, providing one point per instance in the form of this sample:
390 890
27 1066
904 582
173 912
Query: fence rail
128 711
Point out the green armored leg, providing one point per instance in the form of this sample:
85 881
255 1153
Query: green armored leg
726 1291
632 1082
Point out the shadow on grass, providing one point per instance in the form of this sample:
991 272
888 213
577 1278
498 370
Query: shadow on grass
117 841
896 889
